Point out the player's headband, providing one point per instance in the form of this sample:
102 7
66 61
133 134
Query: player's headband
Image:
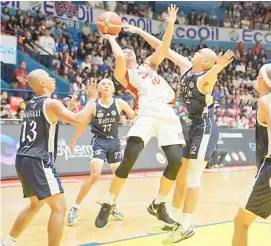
264 74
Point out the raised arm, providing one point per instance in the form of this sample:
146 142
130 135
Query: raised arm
207 82
124 106
161 52
154 42
56 110
80 130
120 62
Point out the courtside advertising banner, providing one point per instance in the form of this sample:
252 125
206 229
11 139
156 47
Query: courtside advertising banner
240 144
8 49
75 15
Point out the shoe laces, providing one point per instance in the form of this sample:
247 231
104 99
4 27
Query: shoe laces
162 206
73 212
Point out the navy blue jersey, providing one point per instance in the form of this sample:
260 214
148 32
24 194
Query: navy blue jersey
262 143
38 136
105 122
198 104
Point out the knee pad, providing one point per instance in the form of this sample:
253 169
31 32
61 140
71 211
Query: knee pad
195 171
133 148
174 164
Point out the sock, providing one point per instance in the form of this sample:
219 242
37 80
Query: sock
176 213
10 241
186 220
160 199
110 198
77 206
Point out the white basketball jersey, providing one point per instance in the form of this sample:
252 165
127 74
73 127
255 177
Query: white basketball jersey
149 88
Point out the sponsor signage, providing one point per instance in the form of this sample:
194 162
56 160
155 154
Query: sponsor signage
75 16
8 49
240 144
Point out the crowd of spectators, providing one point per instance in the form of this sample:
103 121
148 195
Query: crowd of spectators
236 98
248 15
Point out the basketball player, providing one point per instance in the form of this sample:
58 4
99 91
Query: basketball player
155 118
105 142
197 82
36 155
257 202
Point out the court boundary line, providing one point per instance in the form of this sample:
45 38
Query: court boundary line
155 234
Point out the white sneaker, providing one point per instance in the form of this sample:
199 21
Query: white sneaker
72 217
179 234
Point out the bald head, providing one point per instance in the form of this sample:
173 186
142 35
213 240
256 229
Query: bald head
39 79
106 86
204 57
265 72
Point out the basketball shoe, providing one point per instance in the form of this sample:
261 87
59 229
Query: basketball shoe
179 234
160 211
102 218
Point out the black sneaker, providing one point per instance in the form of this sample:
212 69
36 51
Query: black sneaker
160 211
102 218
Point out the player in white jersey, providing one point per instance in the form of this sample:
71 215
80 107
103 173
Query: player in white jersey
155 118
155 99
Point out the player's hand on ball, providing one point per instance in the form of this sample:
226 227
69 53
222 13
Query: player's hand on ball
108 36
92 89
172 13
129 28
226 59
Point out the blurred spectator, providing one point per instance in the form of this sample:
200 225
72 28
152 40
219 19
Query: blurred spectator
5 17
203 19
192 18
20 76
85 30
47 43
257 48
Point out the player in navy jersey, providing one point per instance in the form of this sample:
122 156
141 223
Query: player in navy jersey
37 152
197 82
105 142
257 201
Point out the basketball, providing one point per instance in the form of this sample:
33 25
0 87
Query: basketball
109 23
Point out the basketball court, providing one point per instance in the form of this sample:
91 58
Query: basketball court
221 192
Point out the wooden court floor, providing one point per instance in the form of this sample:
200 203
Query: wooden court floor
220 196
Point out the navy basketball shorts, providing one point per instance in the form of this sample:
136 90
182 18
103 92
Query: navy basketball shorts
258 199
107 149
201 140
38 178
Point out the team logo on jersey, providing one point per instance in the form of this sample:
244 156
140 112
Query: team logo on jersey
98 152
100 115
114 112
191 85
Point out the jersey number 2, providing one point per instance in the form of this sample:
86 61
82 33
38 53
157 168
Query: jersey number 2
32 134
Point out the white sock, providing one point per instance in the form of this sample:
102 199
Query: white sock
109 199
176 213
186 220
160 199
77 206
10 241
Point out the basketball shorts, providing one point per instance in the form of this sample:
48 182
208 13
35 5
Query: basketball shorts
201 140
168 130
38 178
107 149
258 199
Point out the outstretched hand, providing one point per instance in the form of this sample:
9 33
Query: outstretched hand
129 28
226 59
172 13
92 90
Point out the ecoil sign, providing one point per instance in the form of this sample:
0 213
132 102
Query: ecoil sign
8 49
197 33
245 36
